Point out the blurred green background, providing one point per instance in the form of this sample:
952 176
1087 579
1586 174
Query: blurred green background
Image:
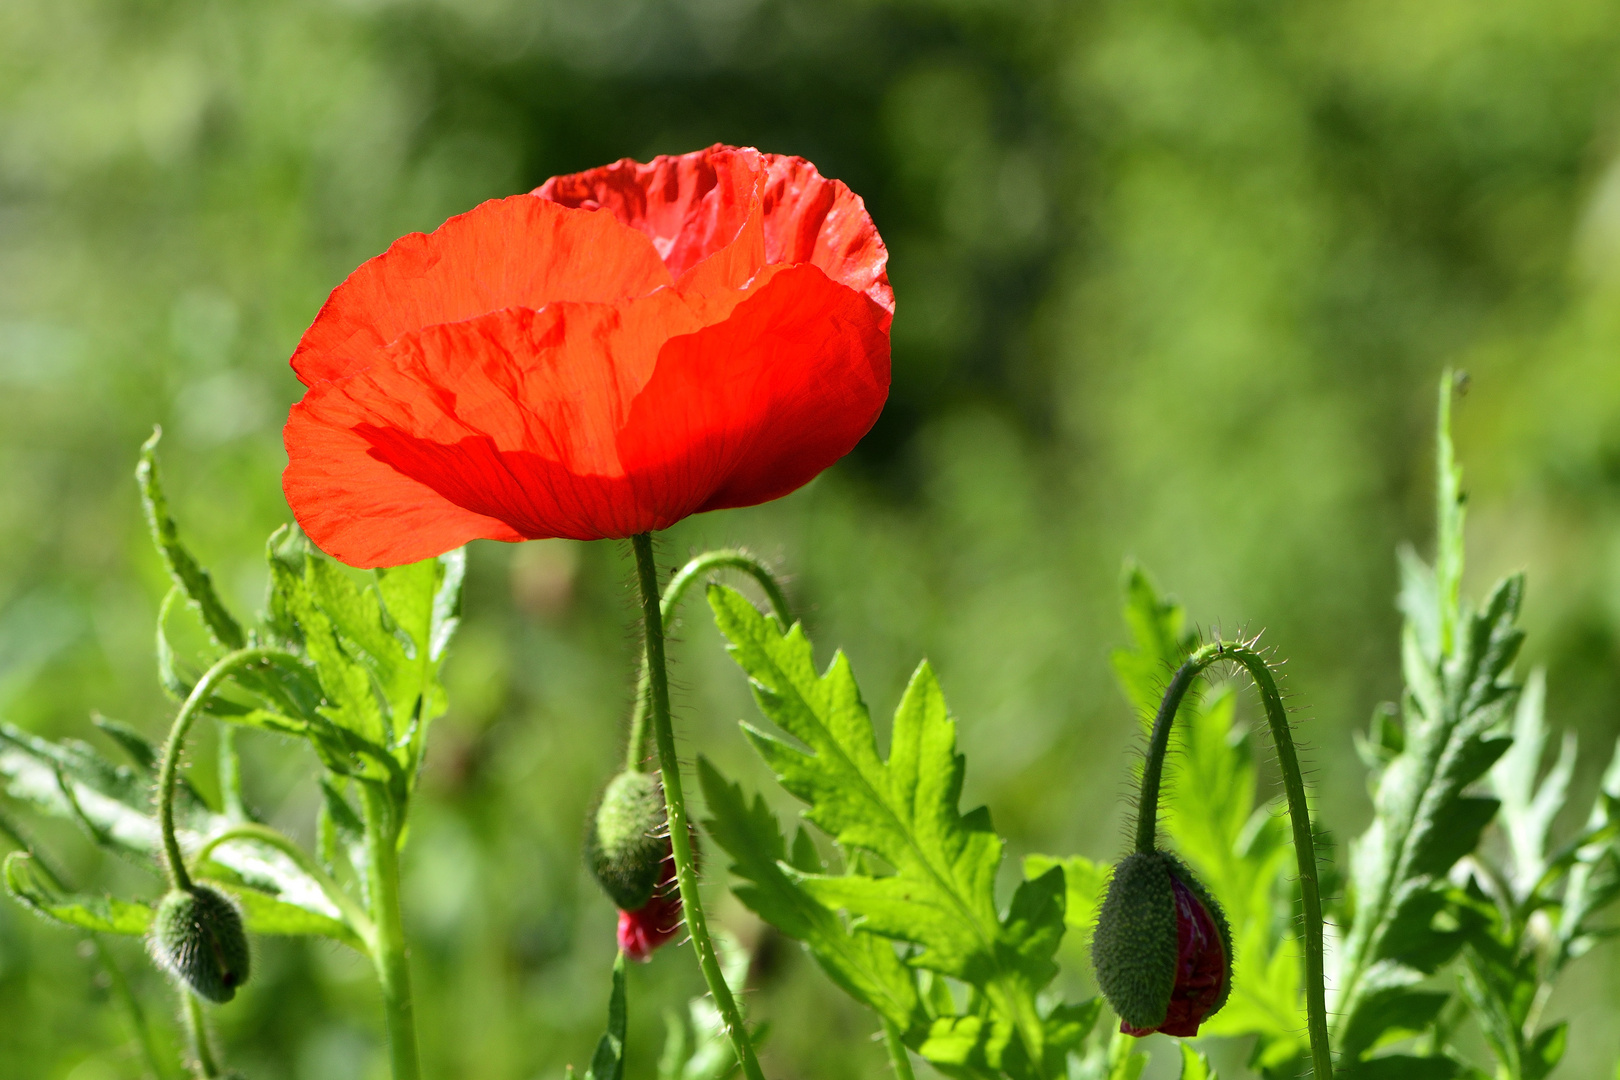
1174 280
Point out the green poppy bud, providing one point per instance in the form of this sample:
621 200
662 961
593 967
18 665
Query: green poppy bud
197 937
627 839
1162 949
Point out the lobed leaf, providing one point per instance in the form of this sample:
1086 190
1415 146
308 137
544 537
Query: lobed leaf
104 914
940 896
189 576
864 965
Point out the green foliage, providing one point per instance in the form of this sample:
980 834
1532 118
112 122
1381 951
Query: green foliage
608 1061
106 914
352 669
1451 731
902 812
696 1046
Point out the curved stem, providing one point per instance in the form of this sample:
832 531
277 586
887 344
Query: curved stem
898 1059
720 559
352 912
174 861
389 954
1298 811
675 804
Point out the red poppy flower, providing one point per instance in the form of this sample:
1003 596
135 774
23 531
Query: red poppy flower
1201 968
655 922
599 358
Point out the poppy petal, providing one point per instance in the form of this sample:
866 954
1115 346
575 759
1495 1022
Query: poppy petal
512 417
695 205
362 510
514 252
689 205
810 219
754 407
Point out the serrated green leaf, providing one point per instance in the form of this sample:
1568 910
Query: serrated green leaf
71 781
1545 1052
697 1047
105 914
1459 687
608 1061
1083 881
1195 1066
1404 1067
1124 1062
904 810
1391 1012
1594 877
1162 638
1530 801
863 965
132 742
265 914
188 575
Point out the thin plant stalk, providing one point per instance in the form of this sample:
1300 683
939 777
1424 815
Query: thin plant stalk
1298 812
636 749
899 1060
173 860
197 1028
388 951
675 806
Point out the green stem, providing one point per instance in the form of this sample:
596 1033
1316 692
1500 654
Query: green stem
230 774
675 804
174 862
131 1007
197 1027
898 1058
352 912
636 752
1298 811
388 953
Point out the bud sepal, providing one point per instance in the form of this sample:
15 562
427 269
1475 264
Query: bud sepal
627 839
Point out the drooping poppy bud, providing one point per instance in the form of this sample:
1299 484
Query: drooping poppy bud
628 849
197 937
627 839
652 924
1162 949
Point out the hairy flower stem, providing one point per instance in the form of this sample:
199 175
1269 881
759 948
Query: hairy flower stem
1298 812
636 751
173 861
388 952
203 1064
675 805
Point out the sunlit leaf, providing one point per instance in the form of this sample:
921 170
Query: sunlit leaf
903 810
106 914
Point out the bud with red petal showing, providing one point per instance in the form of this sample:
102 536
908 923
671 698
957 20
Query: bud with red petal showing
1162 949
628 849
655 922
